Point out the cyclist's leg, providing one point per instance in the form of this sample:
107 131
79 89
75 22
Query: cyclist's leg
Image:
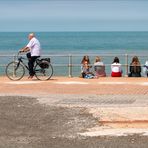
28 55
31 65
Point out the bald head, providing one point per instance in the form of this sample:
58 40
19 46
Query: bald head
31 35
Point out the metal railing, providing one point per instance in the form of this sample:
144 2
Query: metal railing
69 64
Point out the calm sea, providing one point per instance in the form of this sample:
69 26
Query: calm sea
83 43
78 42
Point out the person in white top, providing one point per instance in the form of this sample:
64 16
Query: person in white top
145 69
116 70
34 51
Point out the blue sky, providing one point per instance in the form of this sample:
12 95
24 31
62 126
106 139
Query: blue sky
73 15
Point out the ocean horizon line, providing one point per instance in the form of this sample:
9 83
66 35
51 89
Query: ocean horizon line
70 31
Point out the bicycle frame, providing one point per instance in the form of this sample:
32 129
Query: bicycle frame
20 60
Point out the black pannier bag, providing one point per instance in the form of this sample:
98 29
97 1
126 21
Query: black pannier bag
44 63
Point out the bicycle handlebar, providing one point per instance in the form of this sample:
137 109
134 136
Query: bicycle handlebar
18 53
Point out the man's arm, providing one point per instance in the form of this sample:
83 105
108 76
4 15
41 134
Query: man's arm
25 49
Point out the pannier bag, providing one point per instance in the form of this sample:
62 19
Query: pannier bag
44 63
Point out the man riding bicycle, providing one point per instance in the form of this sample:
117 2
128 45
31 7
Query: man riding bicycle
34 51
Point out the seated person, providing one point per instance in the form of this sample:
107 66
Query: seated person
85 68
116 70
135 68
145 69
99 68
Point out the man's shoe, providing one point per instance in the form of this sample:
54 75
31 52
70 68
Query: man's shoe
30 77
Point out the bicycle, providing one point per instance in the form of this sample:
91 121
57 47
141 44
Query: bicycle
15 70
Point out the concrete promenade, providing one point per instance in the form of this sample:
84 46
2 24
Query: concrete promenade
116 106
65 85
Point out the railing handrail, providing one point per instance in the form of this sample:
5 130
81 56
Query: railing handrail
81 54
70 64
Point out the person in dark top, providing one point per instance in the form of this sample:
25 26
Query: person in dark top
135 68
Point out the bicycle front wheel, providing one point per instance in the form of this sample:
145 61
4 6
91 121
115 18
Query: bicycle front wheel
43 73
15 71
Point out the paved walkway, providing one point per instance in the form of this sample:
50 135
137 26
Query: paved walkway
117 103
65 85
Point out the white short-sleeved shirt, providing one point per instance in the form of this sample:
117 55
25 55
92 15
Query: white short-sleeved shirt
116 67
35 47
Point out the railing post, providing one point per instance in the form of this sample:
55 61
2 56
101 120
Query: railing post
126 65
70 65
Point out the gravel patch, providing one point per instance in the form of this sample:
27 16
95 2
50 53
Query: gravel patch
24 122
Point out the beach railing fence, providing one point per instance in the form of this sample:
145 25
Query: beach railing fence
69 64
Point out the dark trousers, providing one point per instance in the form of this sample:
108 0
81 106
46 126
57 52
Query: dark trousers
31 60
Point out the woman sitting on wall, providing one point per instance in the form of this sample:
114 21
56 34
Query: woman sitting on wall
116 70
135 68
145 69
99 68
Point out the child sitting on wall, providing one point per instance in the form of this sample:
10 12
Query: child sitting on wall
85 68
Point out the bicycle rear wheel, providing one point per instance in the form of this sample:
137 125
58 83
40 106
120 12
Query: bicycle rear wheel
43 73
15 71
